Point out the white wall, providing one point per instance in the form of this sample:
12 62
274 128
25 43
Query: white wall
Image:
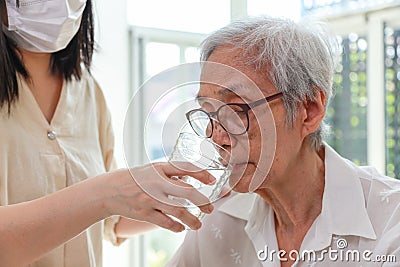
111 62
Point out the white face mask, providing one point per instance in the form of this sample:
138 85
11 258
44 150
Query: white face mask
43 25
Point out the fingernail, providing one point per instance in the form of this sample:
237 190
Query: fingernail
210 208
211 180
197 226
179 229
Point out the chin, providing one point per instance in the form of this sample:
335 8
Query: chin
240 189
249 181
241 186
241 177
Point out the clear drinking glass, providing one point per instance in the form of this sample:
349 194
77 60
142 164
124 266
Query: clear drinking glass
203 154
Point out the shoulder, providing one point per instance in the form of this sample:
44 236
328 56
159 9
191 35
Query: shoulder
91 84
379 187
89 89
382 200
87 85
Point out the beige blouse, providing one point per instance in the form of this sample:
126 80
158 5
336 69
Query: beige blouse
38 158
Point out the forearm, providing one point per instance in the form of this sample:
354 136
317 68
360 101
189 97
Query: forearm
29 230
126 227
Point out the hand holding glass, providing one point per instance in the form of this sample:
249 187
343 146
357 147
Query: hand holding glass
203 154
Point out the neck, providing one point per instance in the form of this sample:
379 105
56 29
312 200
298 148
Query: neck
37 64
44 84
296 196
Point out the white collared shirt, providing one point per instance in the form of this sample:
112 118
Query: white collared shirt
359 225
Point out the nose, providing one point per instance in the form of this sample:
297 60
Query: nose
220 136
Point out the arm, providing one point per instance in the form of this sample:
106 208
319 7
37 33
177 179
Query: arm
29 230
126 227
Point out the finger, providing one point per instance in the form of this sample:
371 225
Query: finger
164 221
226 191
182 214
182 190
179 211
186 168
174 201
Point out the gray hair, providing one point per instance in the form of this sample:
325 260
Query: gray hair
299 57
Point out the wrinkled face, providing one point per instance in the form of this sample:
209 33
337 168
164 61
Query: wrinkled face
261 154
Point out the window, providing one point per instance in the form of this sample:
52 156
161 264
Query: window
177 15
154 51
164 34
275 8
392 88
347 112
364 112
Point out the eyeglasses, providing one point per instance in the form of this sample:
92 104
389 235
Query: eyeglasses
233 117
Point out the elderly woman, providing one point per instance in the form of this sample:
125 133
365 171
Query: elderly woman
299 203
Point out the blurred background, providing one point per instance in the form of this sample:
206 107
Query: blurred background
140 38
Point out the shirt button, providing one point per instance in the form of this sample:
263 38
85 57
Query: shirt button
51 135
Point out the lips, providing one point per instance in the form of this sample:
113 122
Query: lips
240 166
238 172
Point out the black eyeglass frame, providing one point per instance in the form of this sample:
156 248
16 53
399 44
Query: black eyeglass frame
244 106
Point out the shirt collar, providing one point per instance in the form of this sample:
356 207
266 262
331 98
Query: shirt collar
343 205
239 205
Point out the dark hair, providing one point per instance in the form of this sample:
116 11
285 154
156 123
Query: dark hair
66 62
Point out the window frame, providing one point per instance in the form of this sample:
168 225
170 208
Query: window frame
371 24
139 37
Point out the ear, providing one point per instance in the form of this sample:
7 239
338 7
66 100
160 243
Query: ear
314 112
